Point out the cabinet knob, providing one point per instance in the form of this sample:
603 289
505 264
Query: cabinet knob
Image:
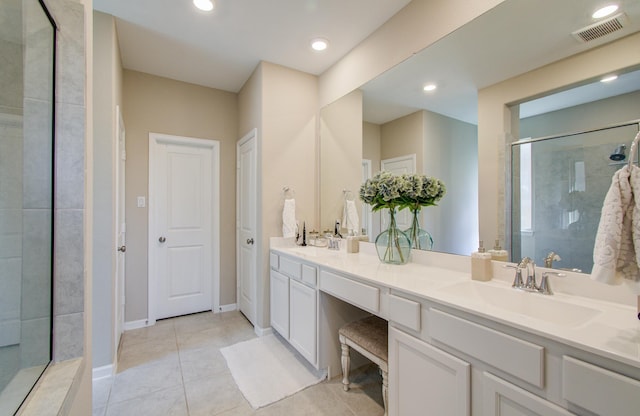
162 239
122 249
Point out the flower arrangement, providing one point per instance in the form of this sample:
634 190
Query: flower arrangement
386 190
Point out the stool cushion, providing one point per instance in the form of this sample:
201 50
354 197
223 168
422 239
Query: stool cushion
371 334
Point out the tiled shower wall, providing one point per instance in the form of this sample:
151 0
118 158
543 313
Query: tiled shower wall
68 305
26 219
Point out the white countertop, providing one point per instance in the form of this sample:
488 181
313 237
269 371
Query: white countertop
610 328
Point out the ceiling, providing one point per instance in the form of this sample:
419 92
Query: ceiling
515 37
170 38
220 49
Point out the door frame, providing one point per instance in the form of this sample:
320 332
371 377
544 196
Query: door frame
120 158
259 287
155 140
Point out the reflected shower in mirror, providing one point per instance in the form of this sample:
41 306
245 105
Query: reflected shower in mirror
558 186
559 181
27 39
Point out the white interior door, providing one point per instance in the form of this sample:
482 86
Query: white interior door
182 203
246 222
398 166
121 228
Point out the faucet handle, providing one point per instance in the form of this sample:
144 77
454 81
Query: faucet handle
544 287
517 281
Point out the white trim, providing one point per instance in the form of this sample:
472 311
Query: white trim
257 313
154 140
260 331
226 308
106 371
142 323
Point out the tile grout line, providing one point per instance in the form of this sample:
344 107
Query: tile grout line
184 388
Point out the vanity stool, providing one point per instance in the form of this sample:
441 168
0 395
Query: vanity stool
368 336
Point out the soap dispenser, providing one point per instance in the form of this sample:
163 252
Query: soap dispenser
498 254
481 267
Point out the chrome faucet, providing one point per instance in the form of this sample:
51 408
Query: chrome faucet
544 287
551 257
518 283
531 285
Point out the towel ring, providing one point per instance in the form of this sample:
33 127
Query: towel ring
348 195
288 192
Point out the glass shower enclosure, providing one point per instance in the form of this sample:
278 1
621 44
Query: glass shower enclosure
27 47
558 185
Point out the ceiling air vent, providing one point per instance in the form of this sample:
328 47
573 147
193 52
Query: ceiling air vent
600 29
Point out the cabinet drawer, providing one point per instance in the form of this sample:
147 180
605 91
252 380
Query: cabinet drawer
514 356
356 293
503 398
598 390
273 261
290 267
405 312
309 275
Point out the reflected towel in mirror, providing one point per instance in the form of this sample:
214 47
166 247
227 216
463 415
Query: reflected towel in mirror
289 218
350 219
616 253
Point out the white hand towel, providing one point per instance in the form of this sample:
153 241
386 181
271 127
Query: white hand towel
617 246
289 218
350 219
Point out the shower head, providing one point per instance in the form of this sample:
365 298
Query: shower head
619 153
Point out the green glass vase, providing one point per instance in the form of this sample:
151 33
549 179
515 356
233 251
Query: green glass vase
392 245
420 239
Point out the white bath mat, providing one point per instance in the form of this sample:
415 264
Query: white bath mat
266 371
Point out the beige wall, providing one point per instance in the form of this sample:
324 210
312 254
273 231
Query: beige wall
107 95
340 156
281 104
451 155
289 117
404 136
161 105
371 145
619 109
418 25
496 127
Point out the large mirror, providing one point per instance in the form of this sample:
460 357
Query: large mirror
438 128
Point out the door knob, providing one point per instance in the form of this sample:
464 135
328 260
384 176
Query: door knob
249 240
162 239
122 249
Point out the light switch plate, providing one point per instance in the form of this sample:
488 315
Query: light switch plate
141 202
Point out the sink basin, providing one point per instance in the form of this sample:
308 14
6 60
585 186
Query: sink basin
536 306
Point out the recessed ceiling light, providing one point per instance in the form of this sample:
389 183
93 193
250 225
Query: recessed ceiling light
609 78
204 5
605 11
319 44
430 87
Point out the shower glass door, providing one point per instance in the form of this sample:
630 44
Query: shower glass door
558 185
27 44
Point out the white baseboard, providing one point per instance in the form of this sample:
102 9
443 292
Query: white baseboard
128 326
227 308
262 331
105 371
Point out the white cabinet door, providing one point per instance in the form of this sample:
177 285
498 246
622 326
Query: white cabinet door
424 380
280 303
504 399
303 320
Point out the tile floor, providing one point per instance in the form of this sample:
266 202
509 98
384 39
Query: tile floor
175 368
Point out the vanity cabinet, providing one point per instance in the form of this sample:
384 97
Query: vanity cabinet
424 380
294 304
445 362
